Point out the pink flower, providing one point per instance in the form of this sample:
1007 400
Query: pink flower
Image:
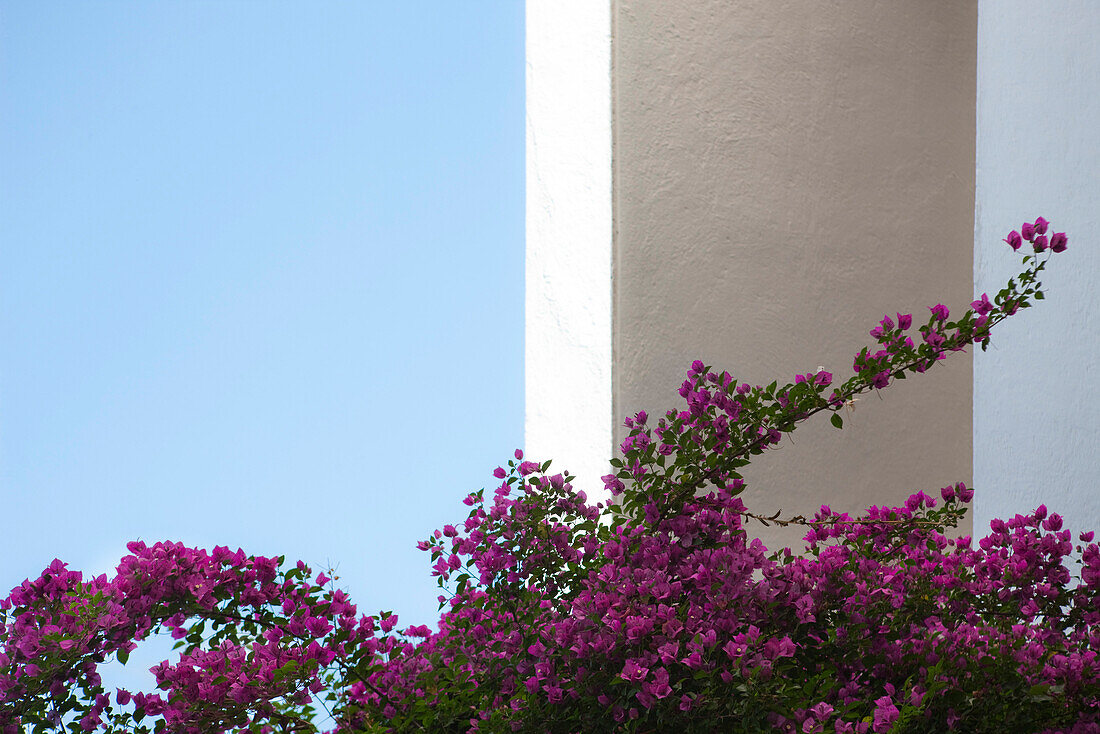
1040 243
634 672
1058 242
1041 226
934 338
940 311
612 484
886 713
318 626
1014 240
659 688
982 305
1028 231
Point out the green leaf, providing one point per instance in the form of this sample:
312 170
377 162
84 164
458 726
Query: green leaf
836 420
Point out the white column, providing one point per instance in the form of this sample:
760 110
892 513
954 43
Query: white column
1037 389
569 237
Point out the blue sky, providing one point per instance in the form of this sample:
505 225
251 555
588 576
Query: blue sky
261 279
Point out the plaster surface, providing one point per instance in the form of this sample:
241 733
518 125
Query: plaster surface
785 174
568 268
1038 153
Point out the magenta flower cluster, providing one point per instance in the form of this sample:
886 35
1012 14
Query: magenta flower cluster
655 612
1035 233
59 628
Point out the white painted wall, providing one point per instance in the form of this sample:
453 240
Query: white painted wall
1037 389
568 271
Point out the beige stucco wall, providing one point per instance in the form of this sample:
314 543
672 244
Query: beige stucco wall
784 174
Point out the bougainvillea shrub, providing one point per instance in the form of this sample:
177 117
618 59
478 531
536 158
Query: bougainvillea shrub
654 612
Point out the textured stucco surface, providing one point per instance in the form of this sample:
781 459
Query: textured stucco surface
568 267
1036 423
785 174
